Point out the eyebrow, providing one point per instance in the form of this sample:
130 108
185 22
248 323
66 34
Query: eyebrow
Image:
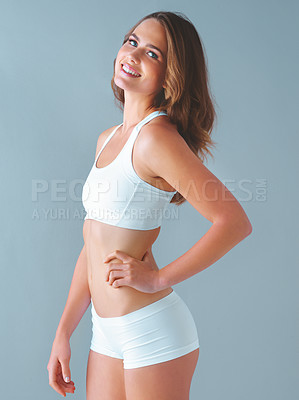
149 44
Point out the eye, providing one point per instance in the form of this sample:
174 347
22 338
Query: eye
155 55
132 40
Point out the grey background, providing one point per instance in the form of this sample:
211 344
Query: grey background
56 66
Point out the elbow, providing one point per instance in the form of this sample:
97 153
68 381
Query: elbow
240 225
247 227
243 225
247 230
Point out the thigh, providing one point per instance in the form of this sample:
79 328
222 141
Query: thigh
169 380
160 350
104 377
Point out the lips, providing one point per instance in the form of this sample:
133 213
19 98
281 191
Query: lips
131 68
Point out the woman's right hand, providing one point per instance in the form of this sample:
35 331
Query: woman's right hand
58 366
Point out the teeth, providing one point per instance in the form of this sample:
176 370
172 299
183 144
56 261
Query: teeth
129 71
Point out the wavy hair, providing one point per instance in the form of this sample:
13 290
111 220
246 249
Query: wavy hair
187 98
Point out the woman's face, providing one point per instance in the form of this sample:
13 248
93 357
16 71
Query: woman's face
147 61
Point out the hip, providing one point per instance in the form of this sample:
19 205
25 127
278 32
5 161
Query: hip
110 301
160 331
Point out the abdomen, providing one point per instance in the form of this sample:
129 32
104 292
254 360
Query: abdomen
100 240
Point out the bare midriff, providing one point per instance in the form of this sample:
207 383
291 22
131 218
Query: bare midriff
100 240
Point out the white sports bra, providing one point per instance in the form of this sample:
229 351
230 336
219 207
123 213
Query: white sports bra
116 195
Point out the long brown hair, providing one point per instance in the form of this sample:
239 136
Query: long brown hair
187 98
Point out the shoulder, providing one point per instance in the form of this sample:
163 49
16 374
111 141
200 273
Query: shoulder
172 159
102 137
162 139
170 156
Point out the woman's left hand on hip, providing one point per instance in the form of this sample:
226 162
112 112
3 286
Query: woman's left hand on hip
142 275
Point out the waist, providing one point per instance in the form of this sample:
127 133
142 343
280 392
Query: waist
110 301
102 239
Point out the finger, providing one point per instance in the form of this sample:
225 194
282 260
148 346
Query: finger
116 275
117 254
57 383
109 257
58 389
113 267
62 383
120 282
67 387
52 380
66 373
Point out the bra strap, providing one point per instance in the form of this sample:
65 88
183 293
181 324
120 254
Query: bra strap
143 122
151 116
106 141
134 134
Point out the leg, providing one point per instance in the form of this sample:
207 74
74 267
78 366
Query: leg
160 347
169 380
104 378
104 375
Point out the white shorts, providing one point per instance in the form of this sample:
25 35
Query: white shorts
160 331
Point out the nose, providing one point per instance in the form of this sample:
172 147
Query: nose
133 56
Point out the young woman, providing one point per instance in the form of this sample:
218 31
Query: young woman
144 340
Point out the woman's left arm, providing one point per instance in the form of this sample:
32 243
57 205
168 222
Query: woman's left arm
183 170
219 240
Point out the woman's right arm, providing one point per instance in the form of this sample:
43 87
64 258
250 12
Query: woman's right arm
78 299
77 303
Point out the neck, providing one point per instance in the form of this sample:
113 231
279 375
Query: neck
136 108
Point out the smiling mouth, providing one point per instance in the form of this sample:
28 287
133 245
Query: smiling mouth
128 71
